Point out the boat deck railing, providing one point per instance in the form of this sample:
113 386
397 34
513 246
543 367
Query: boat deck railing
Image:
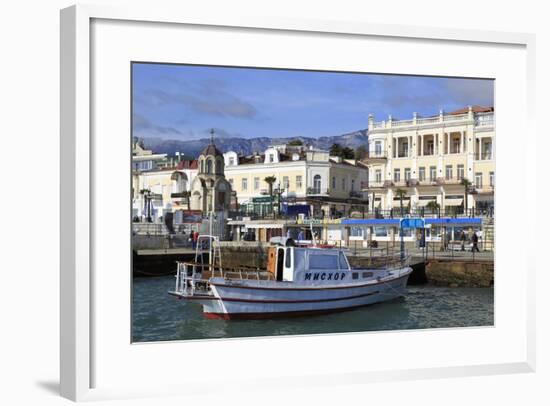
192 278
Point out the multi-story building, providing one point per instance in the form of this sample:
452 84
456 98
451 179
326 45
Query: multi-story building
331 186
161 190
426 159
143 159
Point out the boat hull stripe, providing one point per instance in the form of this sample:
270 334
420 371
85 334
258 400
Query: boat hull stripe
231 299
270 315
224 285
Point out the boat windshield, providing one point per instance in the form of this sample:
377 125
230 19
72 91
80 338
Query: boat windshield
299 259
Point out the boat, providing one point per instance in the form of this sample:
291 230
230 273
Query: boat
297 281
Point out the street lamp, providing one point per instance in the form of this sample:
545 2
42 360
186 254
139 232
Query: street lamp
147 196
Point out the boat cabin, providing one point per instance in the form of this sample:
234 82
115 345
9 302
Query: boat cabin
289 263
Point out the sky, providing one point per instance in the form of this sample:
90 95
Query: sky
184 102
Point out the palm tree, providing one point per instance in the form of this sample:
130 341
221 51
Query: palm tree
433 206
270 180
400 193
467 188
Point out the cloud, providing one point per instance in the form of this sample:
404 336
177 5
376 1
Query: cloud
471 91
206 97
403 95
141 124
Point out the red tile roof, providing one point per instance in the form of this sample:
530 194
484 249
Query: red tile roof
185 164
475 109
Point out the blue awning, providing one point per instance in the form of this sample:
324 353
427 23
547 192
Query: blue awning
444 221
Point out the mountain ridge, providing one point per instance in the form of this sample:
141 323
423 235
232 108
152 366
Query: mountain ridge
247 146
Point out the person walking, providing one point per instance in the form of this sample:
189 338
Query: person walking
463 240
195 238
474 242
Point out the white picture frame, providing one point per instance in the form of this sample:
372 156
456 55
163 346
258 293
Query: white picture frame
77 220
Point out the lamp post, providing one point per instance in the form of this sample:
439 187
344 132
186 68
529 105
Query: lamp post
146 193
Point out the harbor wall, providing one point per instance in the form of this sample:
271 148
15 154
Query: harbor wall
456 273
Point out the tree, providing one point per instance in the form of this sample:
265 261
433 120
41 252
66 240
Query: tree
270 180
342 152
400 193
348 153
433 206
467 189
336 150
360 152
296 143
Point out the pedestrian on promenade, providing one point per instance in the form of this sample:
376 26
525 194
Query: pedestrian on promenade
195 238
301 235
463 240
474 242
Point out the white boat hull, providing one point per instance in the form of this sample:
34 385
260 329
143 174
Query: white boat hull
266 299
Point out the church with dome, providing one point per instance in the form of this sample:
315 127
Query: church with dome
210 191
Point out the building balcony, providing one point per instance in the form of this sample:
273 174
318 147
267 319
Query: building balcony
375 156
313 191
180 195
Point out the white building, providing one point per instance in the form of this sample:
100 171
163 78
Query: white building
428 158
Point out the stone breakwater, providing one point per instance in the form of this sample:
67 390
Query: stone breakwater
455 273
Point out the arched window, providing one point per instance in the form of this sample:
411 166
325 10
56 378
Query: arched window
317 183
202 165
209 166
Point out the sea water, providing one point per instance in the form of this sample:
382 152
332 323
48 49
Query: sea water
157 316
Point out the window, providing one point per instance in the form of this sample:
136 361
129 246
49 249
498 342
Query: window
448 172
378 176
432 173
298 182
231 161
343 261
456 146
378 148
429 148
343 183
356 232
479 180
367 275
492 179
421 173
317 183
299 259
407 174
209 166
286 182
288 258
488 150
256 183
397 175
245 184
334 182
352 185
271 158
323 261
354 275
460 172
380 231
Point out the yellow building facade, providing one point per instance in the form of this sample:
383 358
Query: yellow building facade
426 159
305 176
